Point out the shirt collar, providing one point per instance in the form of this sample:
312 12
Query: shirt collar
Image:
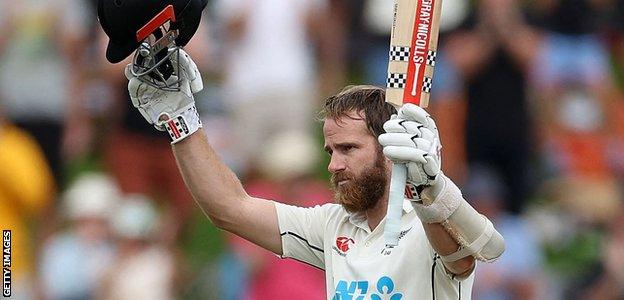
359 218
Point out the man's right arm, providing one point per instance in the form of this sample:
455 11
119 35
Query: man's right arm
221 196
213 185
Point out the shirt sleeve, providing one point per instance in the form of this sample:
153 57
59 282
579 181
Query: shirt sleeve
302 231
447 286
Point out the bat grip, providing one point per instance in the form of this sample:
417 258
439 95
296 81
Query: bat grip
395 205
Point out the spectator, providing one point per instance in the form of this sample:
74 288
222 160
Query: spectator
142 268
80 254
518 274
571 51
574 89
579 130
26 189
269 67
492 51
609 284
40 73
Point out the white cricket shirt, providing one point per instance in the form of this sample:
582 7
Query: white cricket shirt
330 238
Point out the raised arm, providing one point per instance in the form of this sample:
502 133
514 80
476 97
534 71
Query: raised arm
213 185
455 230
221 196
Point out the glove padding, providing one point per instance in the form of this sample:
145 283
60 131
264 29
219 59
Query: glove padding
157 105
412 138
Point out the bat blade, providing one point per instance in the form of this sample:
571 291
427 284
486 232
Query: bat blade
413 50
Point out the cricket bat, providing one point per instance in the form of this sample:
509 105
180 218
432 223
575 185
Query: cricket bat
412 55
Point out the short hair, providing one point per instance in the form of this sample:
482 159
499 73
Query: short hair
367 100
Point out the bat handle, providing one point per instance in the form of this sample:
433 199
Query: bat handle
395 206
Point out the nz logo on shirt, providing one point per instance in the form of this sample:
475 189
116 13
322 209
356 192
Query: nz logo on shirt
343 244
359 290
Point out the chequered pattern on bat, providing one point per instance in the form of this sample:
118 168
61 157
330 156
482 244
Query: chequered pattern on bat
431 58
427 83
396 80
399 53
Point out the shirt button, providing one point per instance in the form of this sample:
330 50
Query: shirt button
367 244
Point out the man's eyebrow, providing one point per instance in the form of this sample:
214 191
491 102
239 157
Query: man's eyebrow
341 145
346 144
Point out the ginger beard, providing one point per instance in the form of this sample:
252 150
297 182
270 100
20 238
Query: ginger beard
361 192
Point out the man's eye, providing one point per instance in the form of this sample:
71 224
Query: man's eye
347 148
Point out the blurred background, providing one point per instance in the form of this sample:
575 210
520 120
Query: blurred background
527 96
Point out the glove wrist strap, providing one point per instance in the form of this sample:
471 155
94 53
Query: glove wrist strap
439 206
183 124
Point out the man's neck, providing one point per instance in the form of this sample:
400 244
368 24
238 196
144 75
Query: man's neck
377 213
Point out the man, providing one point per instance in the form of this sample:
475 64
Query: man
344 239
26 191
42 75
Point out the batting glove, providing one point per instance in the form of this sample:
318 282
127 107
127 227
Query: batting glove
412 138
170 110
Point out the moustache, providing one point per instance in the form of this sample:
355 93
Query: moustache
338 177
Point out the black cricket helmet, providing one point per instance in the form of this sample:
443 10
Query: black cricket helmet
153 29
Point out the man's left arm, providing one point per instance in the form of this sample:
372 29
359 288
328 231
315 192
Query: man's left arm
455 230
444 244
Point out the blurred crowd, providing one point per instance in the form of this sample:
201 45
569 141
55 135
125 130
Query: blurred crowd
528 96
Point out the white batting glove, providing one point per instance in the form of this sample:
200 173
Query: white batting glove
173 111
412 138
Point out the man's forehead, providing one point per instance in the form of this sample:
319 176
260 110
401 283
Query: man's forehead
352 115
345 123
351 127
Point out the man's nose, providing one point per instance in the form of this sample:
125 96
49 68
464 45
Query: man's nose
336 164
